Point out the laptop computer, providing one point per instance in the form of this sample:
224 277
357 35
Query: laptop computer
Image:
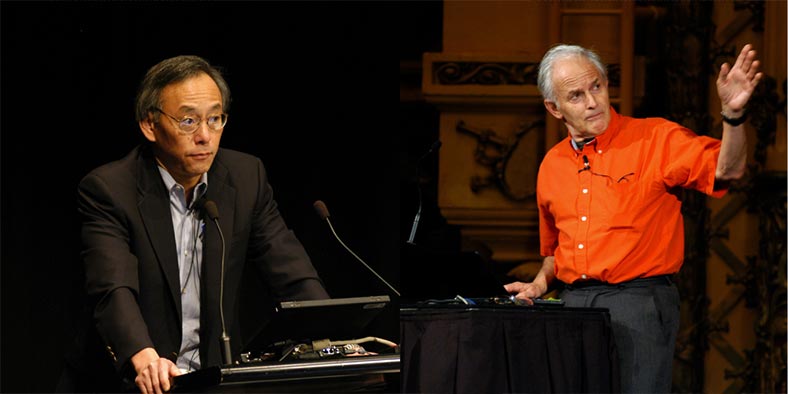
335 319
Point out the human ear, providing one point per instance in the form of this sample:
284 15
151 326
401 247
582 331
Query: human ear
552 108
147 127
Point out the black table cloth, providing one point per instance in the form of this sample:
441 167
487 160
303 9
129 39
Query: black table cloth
515 349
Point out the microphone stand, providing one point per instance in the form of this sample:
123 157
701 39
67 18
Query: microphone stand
435 145
416 219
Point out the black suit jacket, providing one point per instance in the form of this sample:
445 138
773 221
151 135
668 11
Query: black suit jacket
131 268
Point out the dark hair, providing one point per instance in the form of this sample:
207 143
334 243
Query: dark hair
174 70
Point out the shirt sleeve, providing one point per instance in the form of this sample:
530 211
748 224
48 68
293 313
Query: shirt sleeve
548 232
690 161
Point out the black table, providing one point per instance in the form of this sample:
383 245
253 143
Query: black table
348 374
504 349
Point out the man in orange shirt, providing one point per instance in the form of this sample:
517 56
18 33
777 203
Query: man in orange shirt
610 219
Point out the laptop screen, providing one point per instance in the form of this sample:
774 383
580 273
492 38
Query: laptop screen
335 319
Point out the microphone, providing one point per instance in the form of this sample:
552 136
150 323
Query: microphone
586 165
213 213
322 211
435 146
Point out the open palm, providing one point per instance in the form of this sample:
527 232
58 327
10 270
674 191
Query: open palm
736 84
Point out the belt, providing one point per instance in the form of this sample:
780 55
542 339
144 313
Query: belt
637 282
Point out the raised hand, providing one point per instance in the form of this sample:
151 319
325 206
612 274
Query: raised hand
736 84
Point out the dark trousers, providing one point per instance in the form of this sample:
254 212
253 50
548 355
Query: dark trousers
644 314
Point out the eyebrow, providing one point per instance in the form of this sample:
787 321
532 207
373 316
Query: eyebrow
573 91
190 109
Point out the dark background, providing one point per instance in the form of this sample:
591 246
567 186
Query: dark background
313 96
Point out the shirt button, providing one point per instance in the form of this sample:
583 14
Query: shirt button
583 218
580 246
584 276
585 191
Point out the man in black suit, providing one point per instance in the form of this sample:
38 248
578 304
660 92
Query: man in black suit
153 259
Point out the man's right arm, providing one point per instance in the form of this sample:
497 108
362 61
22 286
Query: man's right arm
111 277
539 286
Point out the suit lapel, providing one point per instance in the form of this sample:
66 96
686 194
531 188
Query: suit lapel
154 208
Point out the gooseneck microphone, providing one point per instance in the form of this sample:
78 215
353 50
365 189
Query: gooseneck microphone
435 146
213 213
322 211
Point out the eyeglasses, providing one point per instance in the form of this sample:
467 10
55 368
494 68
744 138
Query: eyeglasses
587 167
189 124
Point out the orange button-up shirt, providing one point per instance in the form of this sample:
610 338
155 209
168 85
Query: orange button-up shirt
619 217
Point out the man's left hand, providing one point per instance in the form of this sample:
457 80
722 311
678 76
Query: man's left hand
736 84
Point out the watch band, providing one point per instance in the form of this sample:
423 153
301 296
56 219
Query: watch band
735 121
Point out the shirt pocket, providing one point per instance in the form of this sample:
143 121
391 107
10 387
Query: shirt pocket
623 201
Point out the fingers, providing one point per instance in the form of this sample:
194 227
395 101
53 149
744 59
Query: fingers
167 372
743 55
752 73
735 84
154 382
513 287
516 287
526 296
724 70
167 381
156 377
144 383
523 291
148 380
162 381
751 65
175 371
747 61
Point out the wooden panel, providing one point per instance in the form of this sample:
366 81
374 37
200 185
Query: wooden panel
494 26
454 77
590 6
774 58
584 30
457 165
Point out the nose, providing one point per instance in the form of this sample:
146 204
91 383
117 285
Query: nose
203 133
590 100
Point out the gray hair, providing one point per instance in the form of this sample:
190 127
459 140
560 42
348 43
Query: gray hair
174 70
562 51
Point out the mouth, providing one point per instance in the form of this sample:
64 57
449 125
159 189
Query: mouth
201 155
594 117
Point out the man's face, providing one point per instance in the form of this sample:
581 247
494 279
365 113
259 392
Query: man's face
582 100
186 156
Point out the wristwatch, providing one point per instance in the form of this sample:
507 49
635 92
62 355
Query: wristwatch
734 121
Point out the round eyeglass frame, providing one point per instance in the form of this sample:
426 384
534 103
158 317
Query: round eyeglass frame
195 126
